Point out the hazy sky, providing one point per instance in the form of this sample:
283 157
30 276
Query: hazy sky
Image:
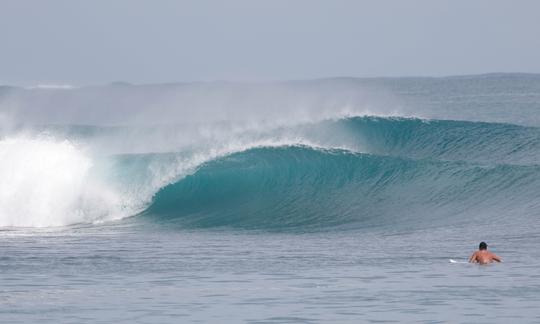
100 41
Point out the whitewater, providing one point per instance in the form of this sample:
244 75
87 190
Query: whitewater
332 200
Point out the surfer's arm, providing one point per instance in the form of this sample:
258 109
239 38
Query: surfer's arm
496 258
472 259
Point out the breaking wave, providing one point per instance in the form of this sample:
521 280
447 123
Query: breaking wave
353 172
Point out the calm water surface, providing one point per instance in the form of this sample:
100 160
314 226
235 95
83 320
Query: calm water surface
133 273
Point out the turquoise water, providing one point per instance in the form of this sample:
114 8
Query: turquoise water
345 218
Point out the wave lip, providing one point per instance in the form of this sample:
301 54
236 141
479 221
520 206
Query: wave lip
451 140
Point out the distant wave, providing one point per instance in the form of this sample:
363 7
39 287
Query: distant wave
53 86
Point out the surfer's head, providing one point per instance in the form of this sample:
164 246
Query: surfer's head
483 246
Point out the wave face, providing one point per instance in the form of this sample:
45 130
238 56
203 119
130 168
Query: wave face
412 172
299 187
352 173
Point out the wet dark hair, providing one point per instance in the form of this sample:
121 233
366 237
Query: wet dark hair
483 246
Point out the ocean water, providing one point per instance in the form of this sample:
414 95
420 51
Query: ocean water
328 201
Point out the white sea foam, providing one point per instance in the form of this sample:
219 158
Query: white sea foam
46 182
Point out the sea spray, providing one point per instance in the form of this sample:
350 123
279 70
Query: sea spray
47 182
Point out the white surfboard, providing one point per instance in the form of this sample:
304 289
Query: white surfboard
456 261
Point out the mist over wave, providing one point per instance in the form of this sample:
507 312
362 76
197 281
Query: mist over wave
295 155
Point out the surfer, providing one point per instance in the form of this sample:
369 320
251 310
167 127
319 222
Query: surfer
482 256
